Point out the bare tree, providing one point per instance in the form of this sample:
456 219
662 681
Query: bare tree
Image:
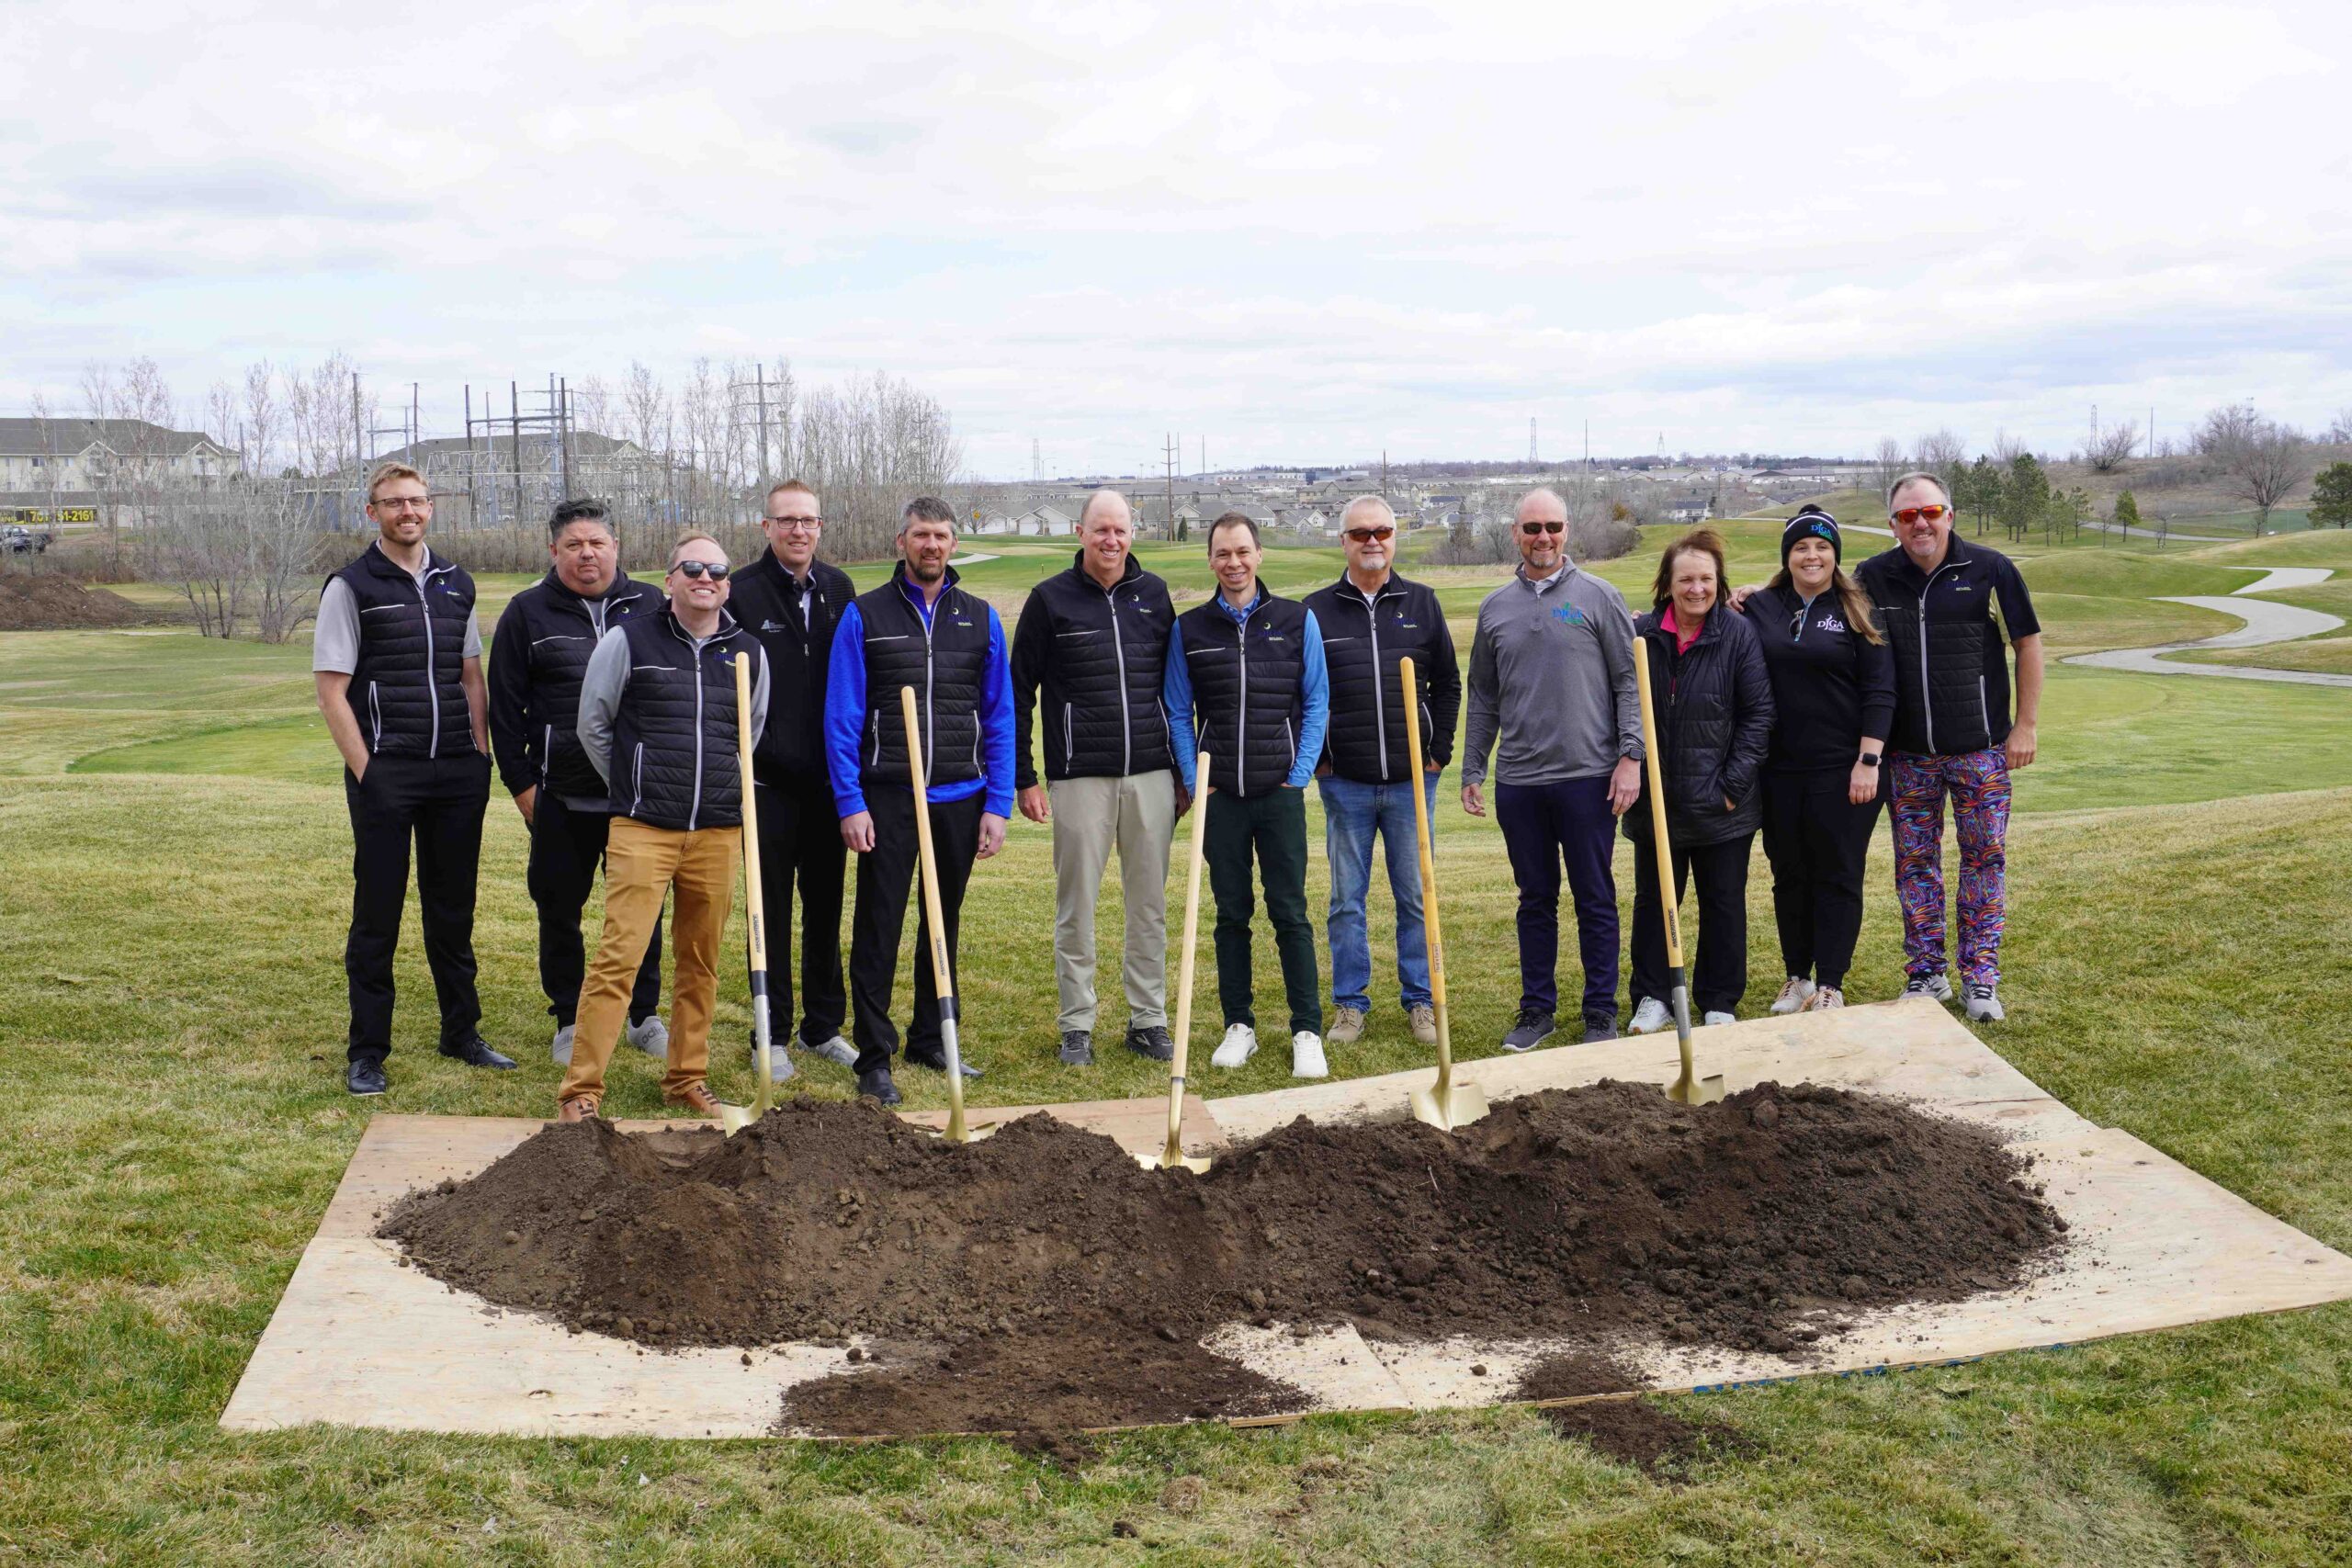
1889 461
2339 430
2263 459
1940 452
263 416
2111 446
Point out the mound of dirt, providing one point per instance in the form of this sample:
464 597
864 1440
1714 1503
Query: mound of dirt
40 601
1042 1278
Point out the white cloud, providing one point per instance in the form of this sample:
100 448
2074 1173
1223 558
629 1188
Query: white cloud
1304 230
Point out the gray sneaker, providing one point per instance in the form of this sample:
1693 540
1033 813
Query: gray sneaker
1077 1048
837 1051
1347 1027
1423 1017
653 1037
1600 1025
1984 1004
1931 985
1151 1042
1528 1031
561 1047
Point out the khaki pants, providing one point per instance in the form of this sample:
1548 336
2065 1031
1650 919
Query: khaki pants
1137 814
640 863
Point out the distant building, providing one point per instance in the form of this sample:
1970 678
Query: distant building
86 457
1690 509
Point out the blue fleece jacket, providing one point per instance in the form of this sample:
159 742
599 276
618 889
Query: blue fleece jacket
845 717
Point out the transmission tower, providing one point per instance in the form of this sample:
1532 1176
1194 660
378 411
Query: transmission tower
1036 462
1532 458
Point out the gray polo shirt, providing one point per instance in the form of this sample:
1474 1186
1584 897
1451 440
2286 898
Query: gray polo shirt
1551 687
335 639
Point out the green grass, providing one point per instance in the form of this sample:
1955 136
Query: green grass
173 890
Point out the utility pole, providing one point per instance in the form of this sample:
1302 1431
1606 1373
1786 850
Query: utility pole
515 414
1384 473
1532 458
563 429
473 514
1588 445
1036 462
1169 454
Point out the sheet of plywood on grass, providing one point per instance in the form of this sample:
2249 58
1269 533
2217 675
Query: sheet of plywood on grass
2153 1245
1912 1050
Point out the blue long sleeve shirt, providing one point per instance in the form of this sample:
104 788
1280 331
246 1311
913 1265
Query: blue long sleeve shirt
1315 683
846 718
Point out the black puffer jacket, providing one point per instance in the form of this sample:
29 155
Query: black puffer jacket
1097 657
945 661
1713 706
407 690
674 738
1362 644
535 664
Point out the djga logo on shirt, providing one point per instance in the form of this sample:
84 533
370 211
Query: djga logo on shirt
1570 616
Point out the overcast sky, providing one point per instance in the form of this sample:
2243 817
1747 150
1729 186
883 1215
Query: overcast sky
1306 234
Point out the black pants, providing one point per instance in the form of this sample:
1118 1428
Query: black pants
1719 965
800 842
1272 827
438 803
1544 826
1817 842
886 875
567 848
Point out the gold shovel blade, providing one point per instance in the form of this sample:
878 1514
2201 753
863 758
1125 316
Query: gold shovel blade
733 1119
1458 1106
1171 1158
1705 1091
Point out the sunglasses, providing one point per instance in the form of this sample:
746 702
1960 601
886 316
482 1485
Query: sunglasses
1367 536
1531 529
1911 515
714 569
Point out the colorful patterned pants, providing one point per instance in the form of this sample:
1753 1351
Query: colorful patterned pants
1978 783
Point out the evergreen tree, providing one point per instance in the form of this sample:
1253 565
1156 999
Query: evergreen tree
2331 495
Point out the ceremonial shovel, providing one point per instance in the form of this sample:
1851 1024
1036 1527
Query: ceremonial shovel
1689 1088
1174 1155
942 975
1446 1104
733 1119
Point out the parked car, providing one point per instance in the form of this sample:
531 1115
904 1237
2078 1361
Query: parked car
18 540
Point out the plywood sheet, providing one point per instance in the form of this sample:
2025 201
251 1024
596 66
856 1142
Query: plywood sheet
359 1340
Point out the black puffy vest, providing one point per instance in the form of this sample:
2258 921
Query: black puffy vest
1100 699
673 736
945 662
559 630
1366 741
764 601
1713 706
406 689
1248 690
1952 681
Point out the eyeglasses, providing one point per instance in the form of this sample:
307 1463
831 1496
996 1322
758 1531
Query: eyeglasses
796 522
1531 529
714 569
1911 515
403 503
1369 536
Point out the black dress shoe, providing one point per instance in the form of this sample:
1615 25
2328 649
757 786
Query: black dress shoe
877 1084
939 1064
365 1078
1152 1043
476 1052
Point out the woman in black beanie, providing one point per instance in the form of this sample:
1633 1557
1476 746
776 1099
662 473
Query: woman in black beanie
1833 687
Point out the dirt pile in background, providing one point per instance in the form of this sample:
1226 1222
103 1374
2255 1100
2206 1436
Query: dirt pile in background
1042 1278
40 601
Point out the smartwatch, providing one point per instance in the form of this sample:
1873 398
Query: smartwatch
1868 758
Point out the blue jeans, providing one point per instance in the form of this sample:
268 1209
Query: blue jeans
1352 812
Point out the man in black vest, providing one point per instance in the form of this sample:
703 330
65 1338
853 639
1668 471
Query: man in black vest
792 602
1370 620
397 662
1095 639
658 723
543 642
919 630
1255 664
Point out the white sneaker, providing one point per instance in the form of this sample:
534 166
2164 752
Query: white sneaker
1794 997
1306 1056
1650 1018
653 1037
1827 998
561 1047
1240 1044
1714 1018
837 1051
1984 1005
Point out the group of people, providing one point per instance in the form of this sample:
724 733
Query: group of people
1797 706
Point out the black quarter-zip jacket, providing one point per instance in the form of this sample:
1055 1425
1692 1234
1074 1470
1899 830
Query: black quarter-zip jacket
1364 645
1831 686
1951 675
1097 656
766 602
